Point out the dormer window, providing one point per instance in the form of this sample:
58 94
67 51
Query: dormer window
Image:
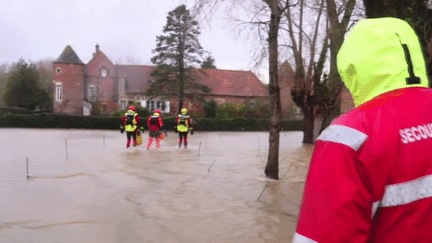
104 73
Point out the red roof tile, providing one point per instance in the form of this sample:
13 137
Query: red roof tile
137 77
221 82
230 82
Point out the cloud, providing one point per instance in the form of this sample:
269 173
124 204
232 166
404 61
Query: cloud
41 29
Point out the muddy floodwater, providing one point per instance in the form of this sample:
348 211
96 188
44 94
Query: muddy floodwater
83 186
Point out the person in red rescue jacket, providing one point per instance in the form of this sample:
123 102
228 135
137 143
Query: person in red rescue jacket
155 123
370 175
131 123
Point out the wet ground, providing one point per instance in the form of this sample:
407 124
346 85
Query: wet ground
83 186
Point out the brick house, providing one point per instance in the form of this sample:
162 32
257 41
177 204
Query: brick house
80 89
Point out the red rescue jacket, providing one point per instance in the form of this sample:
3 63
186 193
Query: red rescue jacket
155 123
370 176
377 168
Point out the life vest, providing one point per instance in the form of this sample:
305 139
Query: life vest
154 120
130 121
183 124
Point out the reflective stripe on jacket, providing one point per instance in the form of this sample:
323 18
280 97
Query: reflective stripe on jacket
370 177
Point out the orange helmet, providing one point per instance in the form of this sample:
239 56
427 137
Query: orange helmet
132 108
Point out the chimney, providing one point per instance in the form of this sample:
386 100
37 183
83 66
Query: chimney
97 50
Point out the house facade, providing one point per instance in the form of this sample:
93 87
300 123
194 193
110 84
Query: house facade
101 87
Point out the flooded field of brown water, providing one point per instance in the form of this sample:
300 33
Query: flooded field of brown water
83 186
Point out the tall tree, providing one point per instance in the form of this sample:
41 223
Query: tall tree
339 18
308 91
317 95
313 92
23 88
275 9
209 62
177 51
272 166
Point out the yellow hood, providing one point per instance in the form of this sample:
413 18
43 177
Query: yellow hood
381 55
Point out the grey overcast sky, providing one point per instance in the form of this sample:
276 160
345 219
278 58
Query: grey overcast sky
40 30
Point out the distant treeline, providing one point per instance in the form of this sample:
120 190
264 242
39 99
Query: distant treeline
50 120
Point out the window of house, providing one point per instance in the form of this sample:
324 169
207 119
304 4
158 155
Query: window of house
92 93
122 105
157 105
122 86
152 105
104 73
59 91
58 70
167 107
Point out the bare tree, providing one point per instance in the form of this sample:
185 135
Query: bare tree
272 167
339 18
301 36
276 7
309 91
45 69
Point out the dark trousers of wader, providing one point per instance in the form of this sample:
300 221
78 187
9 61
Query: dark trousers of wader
183 137
129 136
154 135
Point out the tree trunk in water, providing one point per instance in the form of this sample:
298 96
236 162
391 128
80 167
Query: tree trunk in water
308 127
272 167
318 121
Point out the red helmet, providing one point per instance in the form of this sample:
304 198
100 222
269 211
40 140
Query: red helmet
132 108
157 111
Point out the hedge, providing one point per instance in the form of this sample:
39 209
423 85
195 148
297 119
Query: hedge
49 120
14 110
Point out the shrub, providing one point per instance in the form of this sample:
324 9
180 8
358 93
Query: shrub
117 114
14 110
230 110
257 109
210 109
